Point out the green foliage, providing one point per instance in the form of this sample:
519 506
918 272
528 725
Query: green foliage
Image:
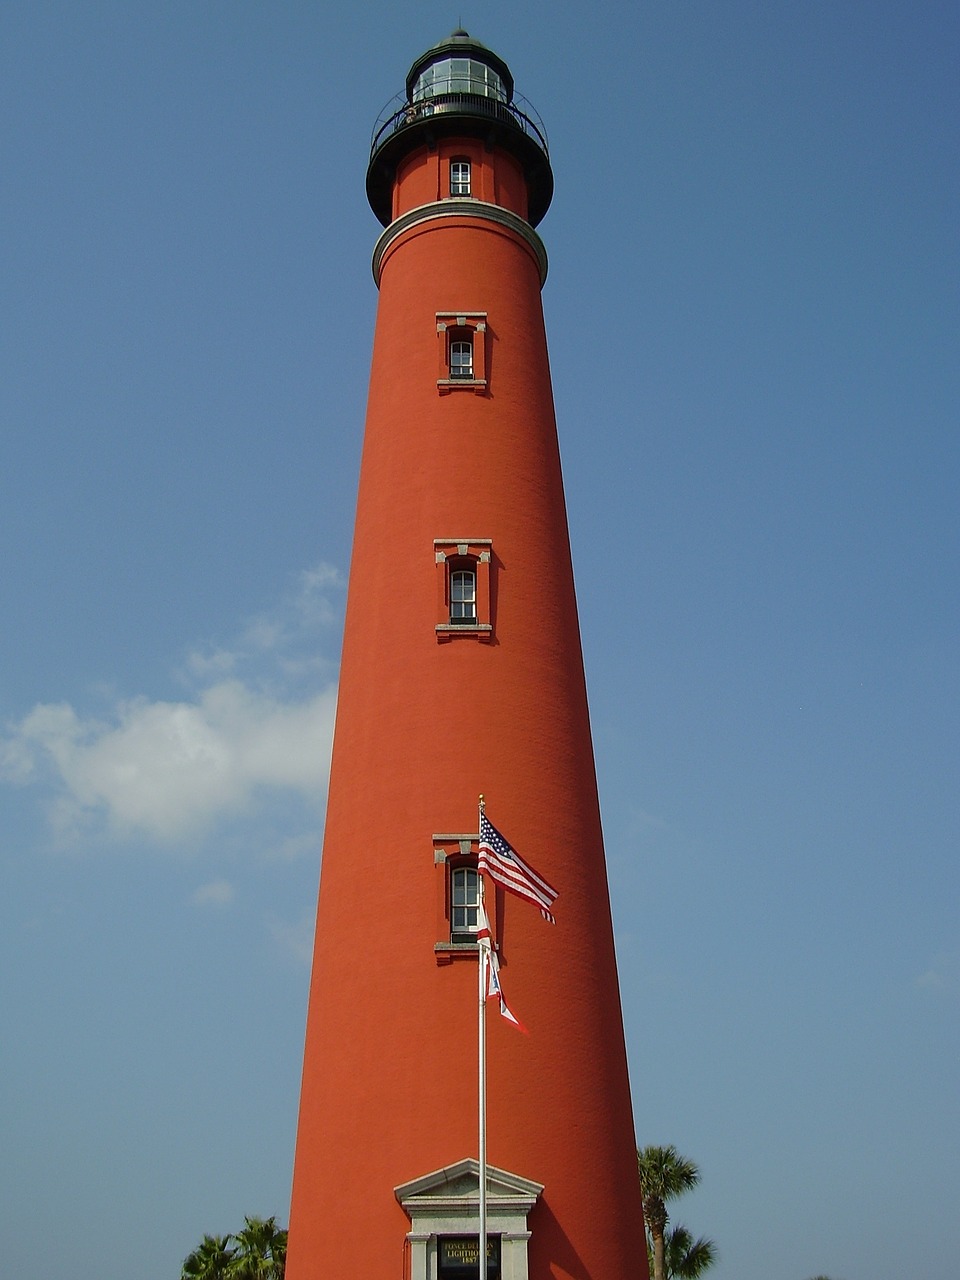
261 1251
664 1175
684 1257
674 1255
257 1252
209 1261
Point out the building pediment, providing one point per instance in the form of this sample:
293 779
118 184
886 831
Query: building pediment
460 1182
444 1204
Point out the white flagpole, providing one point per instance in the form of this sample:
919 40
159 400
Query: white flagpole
482 958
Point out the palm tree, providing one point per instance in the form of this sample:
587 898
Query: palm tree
261 1252
684 1257
664 1174
209 1261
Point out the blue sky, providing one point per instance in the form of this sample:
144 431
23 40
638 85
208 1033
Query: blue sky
752 312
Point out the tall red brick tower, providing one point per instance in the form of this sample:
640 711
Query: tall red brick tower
461 674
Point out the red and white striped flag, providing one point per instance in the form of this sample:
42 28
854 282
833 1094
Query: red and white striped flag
492 983
506 868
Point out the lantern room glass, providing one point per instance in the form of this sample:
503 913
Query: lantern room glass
458 75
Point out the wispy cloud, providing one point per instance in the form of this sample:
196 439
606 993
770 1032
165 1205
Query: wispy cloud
296 939
218 893
255 722
293 847
943 976
286 635
167 769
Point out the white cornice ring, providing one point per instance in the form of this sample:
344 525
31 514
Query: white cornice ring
460 207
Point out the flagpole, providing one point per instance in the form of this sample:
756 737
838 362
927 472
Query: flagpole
484 945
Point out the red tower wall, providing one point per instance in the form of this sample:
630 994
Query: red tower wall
422 176
424 725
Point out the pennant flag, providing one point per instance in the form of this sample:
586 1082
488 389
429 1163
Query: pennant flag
506 868
492 984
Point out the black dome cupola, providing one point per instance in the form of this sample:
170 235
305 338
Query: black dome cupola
459 64
459 88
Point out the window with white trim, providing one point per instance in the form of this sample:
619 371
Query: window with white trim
464 904
459 177
458 898
461 354
463 596
462 340
463 588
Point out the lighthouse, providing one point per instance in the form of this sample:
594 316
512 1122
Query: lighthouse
462 677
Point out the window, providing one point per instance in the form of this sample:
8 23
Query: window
459 177
463 596
458 890
461 357
464 904
461 337
459 75
463 588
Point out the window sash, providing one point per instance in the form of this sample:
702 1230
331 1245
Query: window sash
459 177
464 900
461 358
463 596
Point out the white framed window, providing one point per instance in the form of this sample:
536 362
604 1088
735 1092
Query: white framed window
458 890
464 904
459 177
461 357
463 597
464 566
461 337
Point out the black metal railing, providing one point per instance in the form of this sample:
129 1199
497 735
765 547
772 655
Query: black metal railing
392 118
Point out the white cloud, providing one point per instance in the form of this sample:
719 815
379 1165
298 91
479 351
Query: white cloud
293 847
253 722
296 939
166 769
220 662
218 893
313 599
286 636
263 634
16 761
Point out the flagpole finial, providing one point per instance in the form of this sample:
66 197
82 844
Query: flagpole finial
482 801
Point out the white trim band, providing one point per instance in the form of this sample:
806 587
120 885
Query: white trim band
461 207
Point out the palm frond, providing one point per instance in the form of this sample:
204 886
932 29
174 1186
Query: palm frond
665 1173
687 1258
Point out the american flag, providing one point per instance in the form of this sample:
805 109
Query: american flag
505 867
